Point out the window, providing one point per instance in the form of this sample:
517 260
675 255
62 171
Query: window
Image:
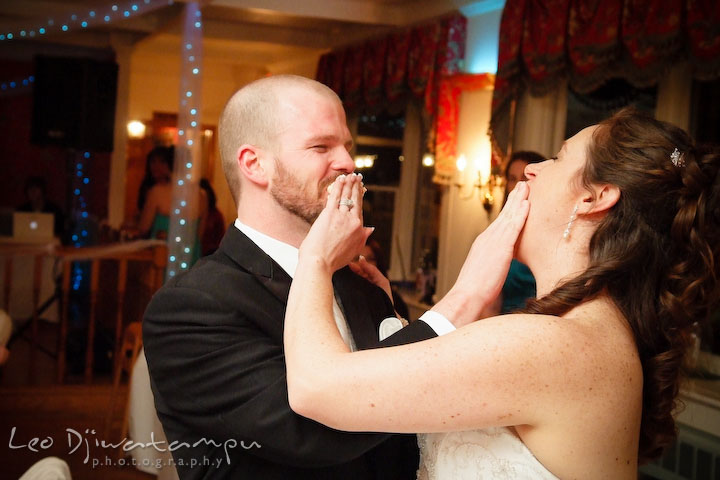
705 112
379 157
402 202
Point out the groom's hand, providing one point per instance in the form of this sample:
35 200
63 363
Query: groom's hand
371 273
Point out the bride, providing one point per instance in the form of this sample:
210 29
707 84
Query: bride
621 231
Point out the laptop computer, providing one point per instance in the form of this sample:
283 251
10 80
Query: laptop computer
33 227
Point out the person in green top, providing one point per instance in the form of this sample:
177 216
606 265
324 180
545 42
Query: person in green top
157 199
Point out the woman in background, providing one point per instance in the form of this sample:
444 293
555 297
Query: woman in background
156 198
155 194
158 169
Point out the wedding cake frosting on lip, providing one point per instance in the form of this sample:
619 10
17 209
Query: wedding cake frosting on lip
330 187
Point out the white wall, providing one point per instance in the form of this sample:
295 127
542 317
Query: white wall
155 84
462 214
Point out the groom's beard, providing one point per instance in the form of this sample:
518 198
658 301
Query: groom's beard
297 198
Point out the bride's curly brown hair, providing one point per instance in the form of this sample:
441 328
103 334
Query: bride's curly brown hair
655 253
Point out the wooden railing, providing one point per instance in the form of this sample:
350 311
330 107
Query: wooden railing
150 254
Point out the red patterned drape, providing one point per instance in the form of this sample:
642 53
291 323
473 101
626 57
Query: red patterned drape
410 62
703 31
447 119
373 71
395 66
386 69
591 41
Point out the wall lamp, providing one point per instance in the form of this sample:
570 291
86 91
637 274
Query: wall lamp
136 129
480 177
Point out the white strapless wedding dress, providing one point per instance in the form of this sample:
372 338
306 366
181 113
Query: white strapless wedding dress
492 453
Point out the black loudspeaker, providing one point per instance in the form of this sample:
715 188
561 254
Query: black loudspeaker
74 103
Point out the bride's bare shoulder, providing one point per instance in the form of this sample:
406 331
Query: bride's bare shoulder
594 384
591 346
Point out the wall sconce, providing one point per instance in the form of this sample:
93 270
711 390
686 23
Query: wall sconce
461 163
136 129
364 161
485 182
428 160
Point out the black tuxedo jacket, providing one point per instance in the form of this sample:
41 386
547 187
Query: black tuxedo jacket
214 344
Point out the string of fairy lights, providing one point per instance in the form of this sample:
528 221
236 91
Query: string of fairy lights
17 84
81 221
182 235
83 19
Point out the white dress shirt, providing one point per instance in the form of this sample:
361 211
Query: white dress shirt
286 256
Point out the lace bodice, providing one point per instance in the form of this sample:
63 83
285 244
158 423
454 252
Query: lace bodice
492 453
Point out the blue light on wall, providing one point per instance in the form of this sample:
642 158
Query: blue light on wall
483 32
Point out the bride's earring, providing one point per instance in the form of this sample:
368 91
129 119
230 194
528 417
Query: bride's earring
566 233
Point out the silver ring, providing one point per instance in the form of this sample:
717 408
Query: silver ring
348 202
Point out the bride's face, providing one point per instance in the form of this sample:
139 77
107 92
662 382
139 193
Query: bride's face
555 189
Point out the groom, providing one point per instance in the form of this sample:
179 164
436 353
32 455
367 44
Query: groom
213 336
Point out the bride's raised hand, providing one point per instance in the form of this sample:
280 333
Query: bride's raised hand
338 235
486 266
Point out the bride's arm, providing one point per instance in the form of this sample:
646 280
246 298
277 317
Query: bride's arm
478 376
497 372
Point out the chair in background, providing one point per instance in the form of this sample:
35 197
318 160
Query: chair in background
49 468
144 426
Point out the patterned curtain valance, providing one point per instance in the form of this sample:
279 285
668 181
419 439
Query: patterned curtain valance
591 41
384 70
448 115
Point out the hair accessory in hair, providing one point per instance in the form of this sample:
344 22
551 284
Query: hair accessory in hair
676 158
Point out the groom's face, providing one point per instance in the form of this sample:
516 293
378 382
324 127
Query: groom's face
312 150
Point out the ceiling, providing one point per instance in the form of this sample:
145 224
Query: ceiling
257 31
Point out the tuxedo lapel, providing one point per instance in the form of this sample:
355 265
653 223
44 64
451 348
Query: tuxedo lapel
253 259
350 289
353 303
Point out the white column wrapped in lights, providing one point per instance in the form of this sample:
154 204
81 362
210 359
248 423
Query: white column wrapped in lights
183 235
